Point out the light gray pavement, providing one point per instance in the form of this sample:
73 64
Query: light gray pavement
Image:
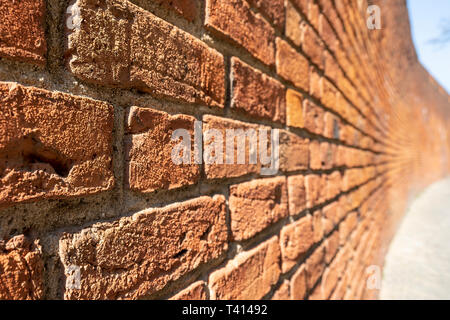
418 262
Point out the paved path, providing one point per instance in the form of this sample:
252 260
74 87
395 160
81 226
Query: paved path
418 262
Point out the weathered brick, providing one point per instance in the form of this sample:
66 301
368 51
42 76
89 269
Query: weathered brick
296 239
283 292
331 246
312 46
257 204
294 152
315 266
294 24
138 255
21 269
329 280
121 45
294 109
235 20
326 155
185 8
328 94
332 215
315 83
315 161
196 291
333 185
52 145
249 142
22 30
347 226
291 65
272 9
149 147
318 225
313 117
298 284
326 33
256 93
297 194
302 5
312 186
250 275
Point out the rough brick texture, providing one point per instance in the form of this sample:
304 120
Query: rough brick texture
250 275
21 269
134 257
257 94
53 145
119 44
149 142
256 205
91 126
235 20
22 30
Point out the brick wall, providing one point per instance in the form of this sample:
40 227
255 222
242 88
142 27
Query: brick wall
93 207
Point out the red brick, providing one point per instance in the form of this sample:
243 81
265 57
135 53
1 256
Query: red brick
294 24
313 14
221 169
196 291
185 8
298 284
138 255
291 65
329 280
326 155
315 266
315 161
326 33
318 225
333 185
121 45
21 269
302 5
331 125
332 215
272 9
312 46
235 20
312 185
257 204
315 83
294 109
331 69
328 94
148 149
22 30
313 117
347 226
283 292
294 152
331 246
297 194
250 275
296 239
52 145
256 93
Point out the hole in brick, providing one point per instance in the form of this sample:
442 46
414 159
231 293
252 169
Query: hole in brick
35 153
205 234
180 254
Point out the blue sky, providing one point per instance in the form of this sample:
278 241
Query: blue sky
426 19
